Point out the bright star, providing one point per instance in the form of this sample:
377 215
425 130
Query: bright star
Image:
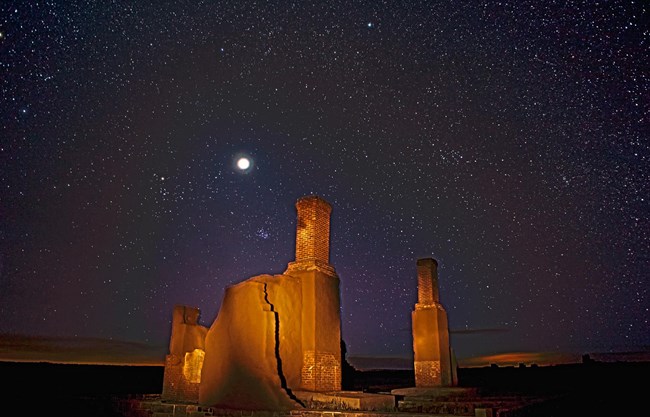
243 163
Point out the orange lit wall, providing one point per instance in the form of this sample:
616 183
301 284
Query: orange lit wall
183 364
275 335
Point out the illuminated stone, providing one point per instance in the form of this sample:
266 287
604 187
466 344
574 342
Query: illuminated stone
313 230
278 334
183 364
193 364
253 351
434 363
321 312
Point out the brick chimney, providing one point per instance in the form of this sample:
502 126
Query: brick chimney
313 229
428 294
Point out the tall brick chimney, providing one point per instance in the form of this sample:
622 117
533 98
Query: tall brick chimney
312 235
428 294
313 229
432 357
321 301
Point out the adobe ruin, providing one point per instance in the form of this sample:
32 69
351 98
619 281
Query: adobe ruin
276 341
274 334
184 362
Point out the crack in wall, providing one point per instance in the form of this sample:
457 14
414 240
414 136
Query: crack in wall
283 380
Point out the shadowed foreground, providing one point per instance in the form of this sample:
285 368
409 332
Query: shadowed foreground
90 390
38 389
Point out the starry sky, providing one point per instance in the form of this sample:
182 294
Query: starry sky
509 140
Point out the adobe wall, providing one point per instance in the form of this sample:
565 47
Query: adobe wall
253 349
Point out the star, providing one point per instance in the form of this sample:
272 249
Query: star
243 163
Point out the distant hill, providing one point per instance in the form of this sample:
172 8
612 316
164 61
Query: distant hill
24 348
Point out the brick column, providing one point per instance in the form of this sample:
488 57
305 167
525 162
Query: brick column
321 303
432 356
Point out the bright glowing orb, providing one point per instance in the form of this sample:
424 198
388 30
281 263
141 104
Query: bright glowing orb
243 163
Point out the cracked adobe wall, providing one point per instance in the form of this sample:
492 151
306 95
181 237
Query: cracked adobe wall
241 368
276 334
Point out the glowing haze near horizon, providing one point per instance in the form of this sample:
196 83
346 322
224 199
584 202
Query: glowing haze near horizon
508 140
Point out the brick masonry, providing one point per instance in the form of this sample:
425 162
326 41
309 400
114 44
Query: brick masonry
432 355
321 371
176 387
313 229
427 374
427 281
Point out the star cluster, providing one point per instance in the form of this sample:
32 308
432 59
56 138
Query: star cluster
508 140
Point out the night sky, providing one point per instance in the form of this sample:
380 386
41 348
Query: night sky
509 140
